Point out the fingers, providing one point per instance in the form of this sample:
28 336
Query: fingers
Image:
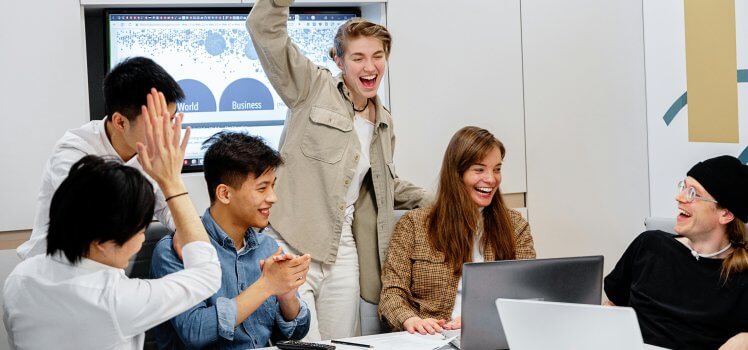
410 328
143 158
156 122
420 329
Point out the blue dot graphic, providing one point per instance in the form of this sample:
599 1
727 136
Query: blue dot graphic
215 43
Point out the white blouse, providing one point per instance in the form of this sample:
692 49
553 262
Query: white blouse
52 304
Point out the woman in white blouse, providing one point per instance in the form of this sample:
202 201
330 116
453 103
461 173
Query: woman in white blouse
77 295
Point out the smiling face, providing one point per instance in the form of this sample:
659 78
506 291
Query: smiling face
482 179
699 217
363 66
250 204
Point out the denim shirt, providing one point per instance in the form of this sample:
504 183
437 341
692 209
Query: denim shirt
211 322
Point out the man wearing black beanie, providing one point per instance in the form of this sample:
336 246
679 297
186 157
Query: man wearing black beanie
690 291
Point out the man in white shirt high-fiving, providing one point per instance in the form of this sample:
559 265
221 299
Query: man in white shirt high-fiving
125 89
77 296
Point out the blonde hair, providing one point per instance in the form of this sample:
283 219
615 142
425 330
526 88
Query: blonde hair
737 261
454 220
356 28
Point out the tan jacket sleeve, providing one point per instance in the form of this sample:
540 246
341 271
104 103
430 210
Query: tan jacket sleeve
394 302
523 242
289 71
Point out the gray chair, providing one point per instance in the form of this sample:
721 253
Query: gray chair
659 223
140 267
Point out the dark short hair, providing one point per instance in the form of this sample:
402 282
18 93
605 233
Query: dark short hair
232 156
100 200
129 82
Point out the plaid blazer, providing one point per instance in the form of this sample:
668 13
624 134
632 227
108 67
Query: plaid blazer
416 281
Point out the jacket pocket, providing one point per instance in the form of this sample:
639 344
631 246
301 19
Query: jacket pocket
325 136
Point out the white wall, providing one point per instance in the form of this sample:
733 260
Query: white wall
587 176
43 93
453 66
582 112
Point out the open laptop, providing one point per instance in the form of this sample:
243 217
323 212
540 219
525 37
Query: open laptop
574 280
532 325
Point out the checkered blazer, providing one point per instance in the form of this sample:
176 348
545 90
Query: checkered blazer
416 281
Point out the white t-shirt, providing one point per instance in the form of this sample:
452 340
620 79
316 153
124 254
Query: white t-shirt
52 304
365 131
89 139
477 257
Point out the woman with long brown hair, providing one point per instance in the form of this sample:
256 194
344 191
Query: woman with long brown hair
421 279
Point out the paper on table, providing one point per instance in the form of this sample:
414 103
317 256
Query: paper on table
407 341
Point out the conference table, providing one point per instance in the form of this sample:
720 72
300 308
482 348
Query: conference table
405 341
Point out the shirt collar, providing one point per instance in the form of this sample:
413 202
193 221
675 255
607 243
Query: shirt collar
217 234
85 263
347 96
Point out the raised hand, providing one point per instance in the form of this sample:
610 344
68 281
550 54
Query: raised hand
162 154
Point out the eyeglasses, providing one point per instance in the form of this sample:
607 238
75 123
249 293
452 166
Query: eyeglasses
691 193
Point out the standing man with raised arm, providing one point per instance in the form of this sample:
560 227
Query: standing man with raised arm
338 188
256 302
77 296
125 89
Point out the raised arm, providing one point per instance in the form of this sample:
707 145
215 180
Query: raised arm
162 157
141 304
290 72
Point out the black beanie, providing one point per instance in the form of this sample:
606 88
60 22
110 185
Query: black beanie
726 179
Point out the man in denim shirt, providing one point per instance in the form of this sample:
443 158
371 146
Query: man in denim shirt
257 300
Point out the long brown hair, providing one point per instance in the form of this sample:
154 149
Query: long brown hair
455 220
737 261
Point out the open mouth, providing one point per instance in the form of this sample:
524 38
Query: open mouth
264 211
484 191
683 214
368 81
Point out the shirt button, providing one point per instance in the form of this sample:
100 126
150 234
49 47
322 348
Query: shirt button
342 207
347 182
355 157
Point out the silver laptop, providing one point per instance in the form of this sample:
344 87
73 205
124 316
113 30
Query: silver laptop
533 325
574 280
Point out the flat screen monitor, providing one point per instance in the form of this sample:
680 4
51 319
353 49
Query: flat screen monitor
210 54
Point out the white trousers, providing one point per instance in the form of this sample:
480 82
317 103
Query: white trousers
331 291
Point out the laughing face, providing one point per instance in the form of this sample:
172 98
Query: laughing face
252 201
698 216
482 179
363 66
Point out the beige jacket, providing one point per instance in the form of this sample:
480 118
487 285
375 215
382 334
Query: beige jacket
321 150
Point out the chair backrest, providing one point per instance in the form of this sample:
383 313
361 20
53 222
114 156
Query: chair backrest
140 267
659 223
140 264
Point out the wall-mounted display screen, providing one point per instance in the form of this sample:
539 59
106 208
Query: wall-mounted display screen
211 56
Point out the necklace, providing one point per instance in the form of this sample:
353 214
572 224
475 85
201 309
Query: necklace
697 255
362 109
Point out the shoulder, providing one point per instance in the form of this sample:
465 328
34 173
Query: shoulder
519 223
164 254
417 216
414 223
